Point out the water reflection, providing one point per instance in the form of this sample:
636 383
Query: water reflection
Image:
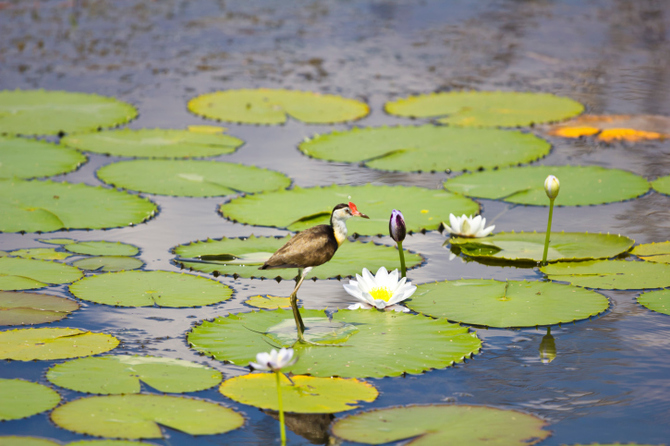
547 348
313 427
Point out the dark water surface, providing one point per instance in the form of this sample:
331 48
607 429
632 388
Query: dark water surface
611 379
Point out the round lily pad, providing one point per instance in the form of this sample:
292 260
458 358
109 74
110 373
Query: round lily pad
529 246
33 206
422 208
108 264
653 252
427 148
40 254
142 416
300 394
268 302
269 106
27 274
191 178
487 108
154 143
580 185
611 274
124 374
235 253
150 288
497 304
656 301
102 248
662 185
378 343
33 308
41 112
21 399
442 424
27 344
29 158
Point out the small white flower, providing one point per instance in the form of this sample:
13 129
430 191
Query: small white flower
275 360
465 226
382 291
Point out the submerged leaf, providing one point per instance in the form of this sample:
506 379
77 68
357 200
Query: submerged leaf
21 399
611 274
33 308
40 254
28 344
653 252
109 264
102 248
29 158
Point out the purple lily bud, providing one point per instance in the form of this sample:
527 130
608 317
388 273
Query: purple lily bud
397 227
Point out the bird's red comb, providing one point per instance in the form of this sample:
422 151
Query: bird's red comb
353 207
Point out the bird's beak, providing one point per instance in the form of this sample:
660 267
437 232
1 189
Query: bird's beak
359 214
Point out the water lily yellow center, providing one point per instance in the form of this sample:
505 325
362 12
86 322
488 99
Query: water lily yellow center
382 293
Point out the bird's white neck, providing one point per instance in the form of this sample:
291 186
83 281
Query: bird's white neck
340 229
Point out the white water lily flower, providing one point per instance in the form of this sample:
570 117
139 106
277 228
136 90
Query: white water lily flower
274 361
382 291
465 226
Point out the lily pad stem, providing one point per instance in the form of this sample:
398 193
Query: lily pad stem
281 410
546 240
403 268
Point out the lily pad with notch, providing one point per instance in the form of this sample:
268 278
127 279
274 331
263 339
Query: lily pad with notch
30 158
22 399
658 301
27 274
427 148
33 308
28 344
653 252
610 274
492 303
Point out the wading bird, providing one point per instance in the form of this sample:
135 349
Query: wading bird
312 247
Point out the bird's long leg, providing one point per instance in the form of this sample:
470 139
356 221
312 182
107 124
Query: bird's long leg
299 324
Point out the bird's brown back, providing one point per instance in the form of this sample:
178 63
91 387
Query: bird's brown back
311 247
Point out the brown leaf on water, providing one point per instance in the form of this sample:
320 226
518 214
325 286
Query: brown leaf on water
609 128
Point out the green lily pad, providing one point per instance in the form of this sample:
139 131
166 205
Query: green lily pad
29 158
653 252
529 246
487 108
300 394
33 308
191 178
656 301
580 185
28 344
150 288
21 399
349 259
497 304
442 424
662 185
57 241
102 248
40 254
154 143
611 274
33 206
269 106
427 148
386 343
108 264
26 274
41 112
16 440
141 416
268 302
422 208
124 374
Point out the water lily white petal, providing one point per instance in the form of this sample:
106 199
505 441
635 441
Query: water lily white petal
465 226
360 306
275 360
382 291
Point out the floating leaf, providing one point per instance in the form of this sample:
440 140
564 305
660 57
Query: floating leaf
628 135
102 248
29 158
141 416
268 106
656 301
124 374
385 343
529 246
26 274
191 178
150 288
27 344
57 241
300 394
268 302
109 264
40 112
33 206
154 143
349 260
580 185
614 127
611 274
33 308
16 440
40 254
422 208
662 185
427 148
653 252
492 303
487 108
442 424
21 399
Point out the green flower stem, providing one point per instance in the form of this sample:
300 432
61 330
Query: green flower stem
546 240
281 410
403 268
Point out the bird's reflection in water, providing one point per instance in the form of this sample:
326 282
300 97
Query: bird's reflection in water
313 427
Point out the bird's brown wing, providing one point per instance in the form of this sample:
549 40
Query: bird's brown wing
311 247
